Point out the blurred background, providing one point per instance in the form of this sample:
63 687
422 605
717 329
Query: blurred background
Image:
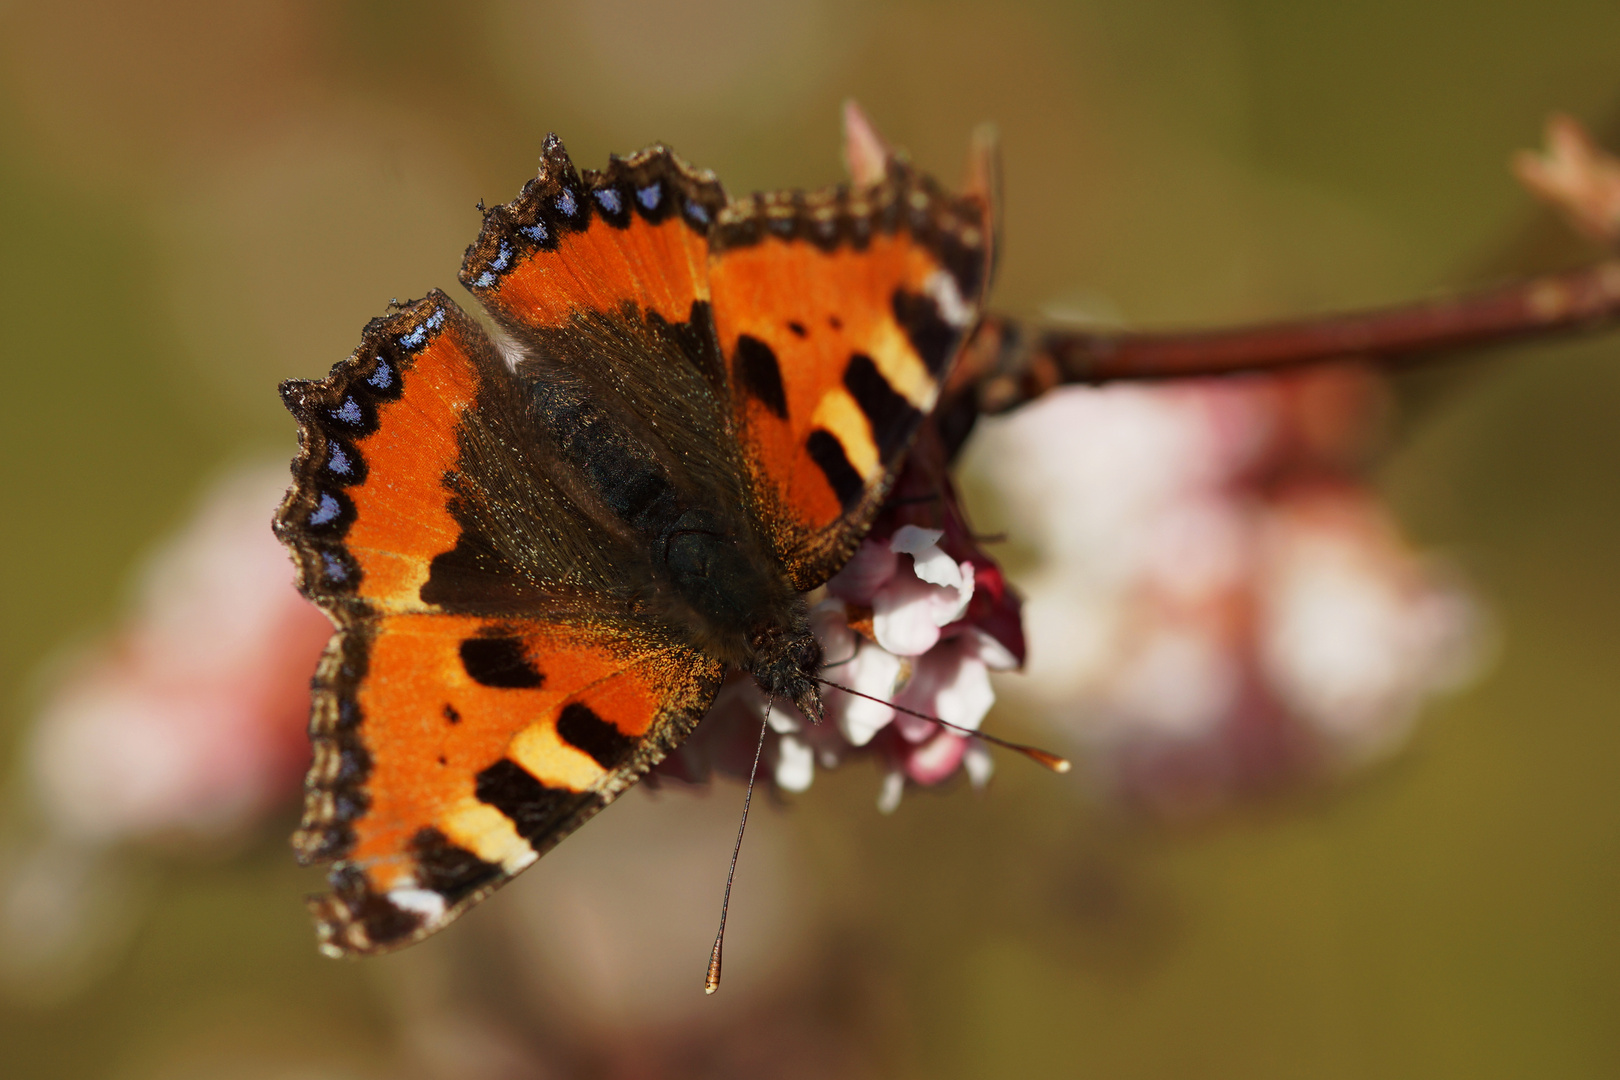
199 200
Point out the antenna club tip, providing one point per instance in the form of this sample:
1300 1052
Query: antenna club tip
711 981
1048 759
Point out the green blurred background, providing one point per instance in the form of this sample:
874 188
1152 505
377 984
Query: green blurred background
198 200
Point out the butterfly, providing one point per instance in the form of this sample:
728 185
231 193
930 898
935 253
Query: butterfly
544 545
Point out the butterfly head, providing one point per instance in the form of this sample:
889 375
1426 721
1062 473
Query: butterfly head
786 658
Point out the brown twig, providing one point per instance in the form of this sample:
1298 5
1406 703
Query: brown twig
1003 367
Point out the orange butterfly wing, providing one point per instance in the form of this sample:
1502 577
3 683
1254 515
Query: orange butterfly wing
840 313
483 744
452 747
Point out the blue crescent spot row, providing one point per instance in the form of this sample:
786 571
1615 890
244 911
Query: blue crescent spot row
498 265
332 511
611 197
418 337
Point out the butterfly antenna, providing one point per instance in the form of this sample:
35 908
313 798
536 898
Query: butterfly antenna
1041 757
711 982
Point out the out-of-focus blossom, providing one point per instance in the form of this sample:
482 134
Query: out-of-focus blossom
190 718
565 975
1577 176
1222 605
186 721
916 620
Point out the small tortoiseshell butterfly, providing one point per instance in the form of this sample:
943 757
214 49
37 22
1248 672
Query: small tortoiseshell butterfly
543 548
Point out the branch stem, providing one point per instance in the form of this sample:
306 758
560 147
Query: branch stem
1002 367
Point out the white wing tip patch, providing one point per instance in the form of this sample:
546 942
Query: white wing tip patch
424 902
942 290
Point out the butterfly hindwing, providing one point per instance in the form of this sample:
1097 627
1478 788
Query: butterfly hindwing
484 744
839 314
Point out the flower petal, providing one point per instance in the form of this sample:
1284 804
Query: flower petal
907 613
904 616
951 683
830 624
795 764
914 540
996 611
995 655
894 785
936 759
978 764
868 570
784 718
875 671
929 560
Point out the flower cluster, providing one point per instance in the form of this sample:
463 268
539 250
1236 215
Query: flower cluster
190 718
186 722
1223 605
911 628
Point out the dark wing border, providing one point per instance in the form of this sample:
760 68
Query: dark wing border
559 201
